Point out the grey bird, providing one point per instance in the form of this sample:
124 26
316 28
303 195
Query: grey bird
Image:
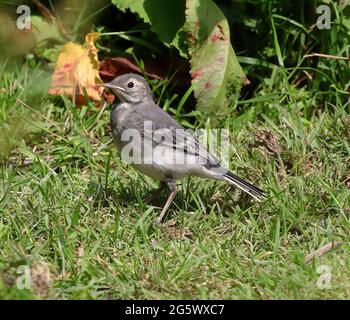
158 146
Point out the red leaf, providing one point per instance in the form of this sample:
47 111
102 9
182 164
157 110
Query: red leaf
113 67
164 67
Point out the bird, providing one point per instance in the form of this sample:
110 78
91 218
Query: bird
155 144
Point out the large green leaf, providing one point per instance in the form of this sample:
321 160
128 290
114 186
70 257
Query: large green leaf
165 17
200 31
216 73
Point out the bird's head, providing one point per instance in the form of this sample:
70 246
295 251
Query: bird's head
130 88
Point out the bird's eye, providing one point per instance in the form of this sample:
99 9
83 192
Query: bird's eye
130 84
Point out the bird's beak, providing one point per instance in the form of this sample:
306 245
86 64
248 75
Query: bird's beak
111 86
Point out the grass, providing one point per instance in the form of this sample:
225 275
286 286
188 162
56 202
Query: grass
74 214
72 210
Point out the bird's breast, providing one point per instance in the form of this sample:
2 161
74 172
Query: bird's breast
118 119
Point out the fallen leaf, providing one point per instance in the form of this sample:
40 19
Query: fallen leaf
76 71
113 67
160 69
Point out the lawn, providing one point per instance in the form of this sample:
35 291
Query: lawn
75 218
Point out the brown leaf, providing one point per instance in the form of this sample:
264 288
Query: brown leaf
155 69
113 67
76 71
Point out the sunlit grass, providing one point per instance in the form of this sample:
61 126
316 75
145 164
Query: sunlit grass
67 201
77 216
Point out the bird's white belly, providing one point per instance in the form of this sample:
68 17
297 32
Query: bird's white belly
162 171
162 163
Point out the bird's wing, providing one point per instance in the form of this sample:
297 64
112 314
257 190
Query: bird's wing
184 142
167 132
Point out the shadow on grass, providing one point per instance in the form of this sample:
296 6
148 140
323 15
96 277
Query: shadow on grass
193 195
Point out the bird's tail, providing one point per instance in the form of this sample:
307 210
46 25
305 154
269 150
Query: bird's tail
254 191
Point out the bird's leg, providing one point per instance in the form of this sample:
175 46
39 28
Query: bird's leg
172 187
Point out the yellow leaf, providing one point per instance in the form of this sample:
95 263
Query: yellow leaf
76 70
